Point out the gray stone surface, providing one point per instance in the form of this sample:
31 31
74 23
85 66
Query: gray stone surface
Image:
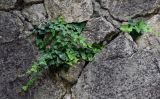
121 47
49 89
28 27
73 73
154 23
7 4
128 8
72 10
33 1
133 77
148 41
99 11
36 14
67 96
151 40
15 59
123 70
98 29
10 27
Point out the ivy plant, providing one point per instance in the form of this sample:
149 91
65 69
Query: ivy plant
135 28
61 46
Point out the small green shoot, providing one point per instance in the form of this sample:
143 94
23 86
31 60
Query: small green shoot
135 28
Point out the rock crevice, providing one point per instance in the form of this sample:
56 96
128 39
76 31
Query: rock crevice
124 69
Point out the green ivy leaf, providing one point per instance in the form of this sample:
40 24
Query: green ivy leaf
47 56
63 56
25 88
135 28
126 28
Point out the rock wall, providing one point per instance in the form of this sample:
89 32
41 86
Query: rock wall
123 70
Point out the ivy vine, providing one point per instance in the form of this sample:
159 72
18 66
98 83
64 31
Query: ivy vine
61 46
135 28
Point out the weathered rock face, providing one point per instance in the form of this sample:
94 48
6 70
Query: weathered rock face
28 27
33 1
133 77
10 27
35 14
97 29
73 73
123 70
15 58
121 47
154 23
148 41
125 8
49 89
7 4
151 40
72 10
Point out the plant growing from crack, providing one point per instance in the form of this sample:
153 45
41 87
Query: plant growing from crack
135 28
61 46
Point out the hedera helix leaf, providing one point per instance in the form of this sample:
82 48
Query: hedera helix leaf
61 46
135 28
84 56
25 88
63 56
126 28
33 69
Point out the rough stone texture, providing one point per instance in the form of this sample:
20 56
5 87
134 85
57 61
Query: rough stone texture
148 41
35 14
123 70
99 11
33 1
49 89
151 40
27 25
121 47
7 4
10 27
67 96
73 73
15 59
124 8
154 23
132 77
98 29
72 10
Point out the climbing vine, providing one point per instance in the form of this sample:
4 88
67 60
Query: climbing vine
135 28
61 46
